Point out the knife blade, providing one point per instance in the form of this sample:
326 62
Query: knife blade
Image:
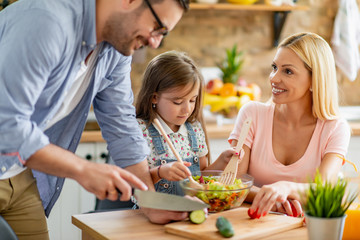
164 201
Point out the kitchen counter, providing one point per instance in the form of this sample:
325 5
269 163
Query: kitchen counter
132 224
214 132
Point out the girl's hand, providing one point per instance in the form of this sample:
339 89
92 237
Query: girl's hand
175 171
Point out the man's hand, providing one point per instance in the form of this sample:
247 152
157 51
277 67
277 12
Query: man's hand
104 179
100 179
163 216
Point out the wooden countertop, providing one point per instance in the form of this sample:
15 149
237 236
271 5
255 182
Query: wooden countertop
214 132
132 224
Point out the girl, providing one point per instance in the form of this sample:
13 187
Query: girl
299 131
172 91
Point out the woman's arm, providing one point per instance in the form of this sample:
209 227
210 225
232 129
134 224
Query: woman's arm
330 166
221 162
281 191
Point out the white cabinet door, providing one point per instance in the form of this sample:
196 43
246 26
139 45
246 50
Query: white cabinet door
74 199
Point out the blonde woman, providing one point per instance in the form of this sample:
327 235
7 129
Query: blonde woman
297 132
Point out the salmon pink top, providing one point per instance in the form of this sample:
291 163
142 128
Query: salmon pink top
332 136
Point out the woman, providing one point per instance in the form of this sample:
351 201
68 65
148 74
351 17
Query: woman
296 133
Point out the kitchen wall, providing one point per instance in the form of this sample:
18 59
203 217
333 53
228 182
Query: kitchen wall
204 34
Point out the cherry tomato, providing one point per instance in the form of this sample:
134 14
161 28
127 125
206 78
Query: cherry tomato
254 214
293 209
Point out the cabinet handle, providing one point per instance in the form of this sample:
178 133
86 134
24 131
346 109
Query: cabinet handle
88 156
103 155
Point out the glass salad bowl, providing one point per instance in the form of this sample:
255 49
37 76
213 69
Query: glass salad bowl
220 197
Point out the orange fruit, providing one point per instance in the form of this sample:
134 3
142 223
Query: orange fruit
227 90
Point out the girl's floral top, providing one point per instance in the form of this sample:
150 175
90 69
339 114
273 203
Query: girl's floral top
179 139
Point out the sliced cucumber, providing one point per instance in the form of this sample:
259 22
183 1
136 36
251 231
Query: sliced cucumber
197 216
224 226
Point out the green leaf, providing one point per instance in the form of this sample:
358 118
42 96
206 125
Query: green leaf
327 199
231 65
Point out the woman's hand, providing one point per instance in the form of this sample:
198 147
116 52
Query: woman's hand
227 154
175 171
290 207
268 195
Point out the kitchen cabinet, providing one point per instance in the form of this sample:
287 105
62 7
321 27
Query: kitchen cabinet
74 199
279 13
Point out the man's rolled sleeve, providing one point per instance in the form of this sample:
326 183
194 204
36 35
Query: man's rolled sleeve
34 142
16 149
129 152
115 114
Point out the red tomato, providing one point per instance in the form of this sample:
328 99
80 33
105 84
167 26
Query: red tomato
293 209
254 214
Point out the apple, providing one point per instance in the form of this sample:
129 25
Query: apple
214 86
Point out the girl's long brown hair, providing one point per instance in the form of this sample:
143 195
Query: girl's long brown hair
166 71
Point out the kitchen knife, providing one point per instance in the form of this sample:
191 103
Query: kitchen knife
164 201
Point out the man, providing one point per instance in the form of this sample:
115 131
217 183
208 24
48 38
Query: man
57 58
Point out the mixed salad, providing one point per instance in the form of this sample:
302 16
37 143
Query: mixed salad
221 197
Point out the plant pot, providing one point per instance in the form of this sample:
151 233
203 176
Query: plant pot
325 228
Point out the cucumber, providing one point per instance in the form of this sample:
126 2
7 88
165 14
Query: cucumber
224 226
197 216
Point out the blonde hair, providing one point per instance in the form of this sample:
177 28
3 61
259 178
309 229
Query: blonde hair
317 56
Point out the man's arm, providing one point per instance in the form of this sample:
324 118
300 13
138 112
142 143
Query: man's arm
141 170
100 179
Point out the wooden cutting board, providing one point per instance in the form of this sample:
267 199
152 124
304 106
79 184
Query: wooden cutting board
244 227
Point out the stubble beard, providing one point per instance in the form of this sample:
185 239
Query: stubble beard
117 32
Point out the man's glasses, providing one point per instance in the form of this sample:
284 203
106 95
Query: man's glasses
162 30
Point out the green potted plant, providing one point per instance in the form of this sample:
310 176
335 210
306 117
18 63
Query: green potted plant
325 205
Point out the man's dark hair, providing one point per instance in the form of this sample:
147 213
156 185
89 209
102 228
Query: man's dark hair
183 3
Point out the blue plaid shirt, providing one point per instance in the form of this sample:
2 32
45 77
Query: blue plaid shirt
42 44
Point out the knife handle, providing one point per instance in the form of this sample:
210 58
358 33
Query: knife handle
120 193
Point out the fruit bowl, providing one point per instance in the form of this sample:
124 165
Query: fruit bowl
220 197
243 2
